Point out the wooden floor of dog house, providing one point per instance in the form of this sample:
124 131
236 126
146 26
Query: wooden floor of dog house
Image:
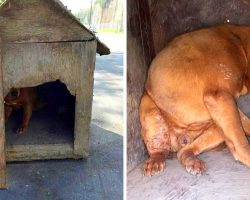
224 178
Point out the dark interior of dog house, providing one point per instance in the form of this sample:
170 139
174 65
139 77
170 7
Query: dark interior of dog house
52 120
151 25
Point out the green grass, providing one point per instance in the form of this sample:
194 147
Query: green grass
109 31
1 2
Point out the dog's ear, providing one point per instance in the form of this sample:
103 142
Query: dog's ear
14 93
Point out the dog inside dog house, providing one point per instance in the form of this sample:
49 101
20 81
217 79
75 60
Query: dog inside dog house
152 24
46 49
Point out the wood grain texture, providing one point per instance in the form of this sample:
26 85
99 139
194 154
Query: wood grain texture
224 179
84 96
2 129
31 64
38 20
140 53
43 21
171 18
41 152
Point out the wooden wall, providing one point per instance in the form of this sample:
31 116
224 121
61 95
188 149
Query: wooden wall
139 56
32 64
170 18
2 129
73 63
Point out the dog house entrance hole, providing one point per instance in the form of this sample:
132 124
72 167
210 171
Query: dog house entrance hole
51 123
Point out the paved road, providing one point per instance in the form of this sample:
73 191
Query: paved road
109 86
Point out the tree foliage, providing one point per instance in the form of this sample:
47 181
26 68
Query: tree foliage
84 15
103 3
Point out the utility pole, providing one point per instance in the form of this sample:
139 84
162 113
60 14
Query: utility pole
90 14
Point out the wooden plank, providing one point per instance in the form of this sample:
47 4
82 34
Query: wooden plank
84 96
2 131
140 52
40 152
31 64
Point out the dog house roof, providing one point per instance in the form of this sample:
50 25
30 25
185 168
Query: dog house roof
43 21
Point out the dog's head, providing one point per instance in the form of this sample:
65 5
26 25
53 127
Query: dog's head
12 96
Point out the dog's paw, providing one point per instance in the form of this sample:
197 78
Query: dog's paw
196 167
21 129
153 166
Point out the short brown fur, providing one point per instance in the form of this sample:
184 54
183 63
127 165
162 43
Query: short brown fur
189 104
27 100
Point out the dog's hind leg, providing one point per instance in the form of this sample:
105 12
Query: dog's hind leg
7 112
27 112
155 135
209 139
223 110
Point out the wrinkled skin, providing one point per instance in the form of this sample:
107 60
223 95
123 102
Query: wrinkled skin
189 104
23 98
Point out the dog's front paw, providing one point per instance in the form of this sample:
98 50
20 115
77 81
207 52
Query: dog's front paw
21 129
195 166
153 166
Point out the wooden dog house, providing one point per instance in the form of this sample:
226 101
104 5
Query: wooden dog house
151 24
41 41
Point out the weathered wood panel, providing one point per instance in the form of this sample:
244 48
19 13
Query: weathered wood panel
139 55
30 64
84 96
171 18
73 63
40 152
38 20
2 129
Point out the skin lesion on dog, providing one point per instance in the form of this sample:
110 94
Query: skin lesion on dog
190 107
184 140
21 98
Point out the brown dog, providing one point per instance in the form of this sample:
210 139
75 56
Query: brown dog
25 98
189 104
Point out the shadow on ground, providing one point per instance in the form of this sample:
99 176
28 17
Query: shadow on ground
108 93
113 62
100 176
